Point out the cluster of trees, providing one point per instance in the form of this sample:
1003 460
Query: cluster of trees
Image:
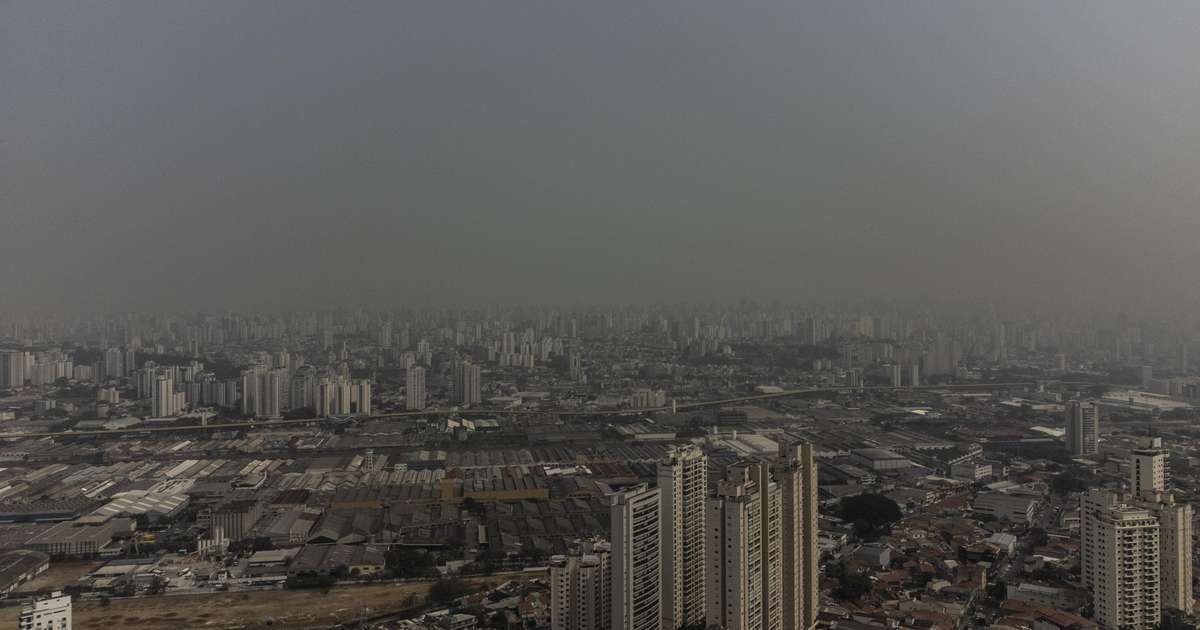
871 514
410 563
851 584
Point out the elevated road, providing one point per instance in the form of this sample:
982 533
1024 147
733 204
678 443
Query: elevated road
686 406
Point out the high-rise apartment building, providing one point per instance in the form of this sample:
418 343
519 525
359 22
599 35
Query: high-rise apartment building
414 392
12 369
264 391
1083 427
1122 548
683 482
895 375
252 390
1136 556
1148 467
744 576
362 396
1151 481
581 587
163 402
636 559
1175 527
796 473
465 383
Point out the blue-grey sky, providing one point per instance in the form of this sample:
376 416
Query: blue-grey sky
291 153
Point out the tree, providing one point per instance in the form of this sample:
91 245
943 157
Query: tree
872 514
853 586
1066 484
407 563
998 590
500 621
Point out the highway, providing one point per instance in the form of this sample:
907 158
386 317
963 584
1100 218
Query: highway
269 424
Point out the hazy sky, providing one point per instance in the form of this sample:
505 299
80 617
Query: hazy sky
279 154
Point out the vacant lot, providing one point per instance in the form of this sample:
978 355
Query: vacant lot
258 609
59 575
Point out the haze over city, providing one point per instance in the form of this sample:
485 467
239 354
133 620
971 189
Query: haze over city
160 155
385 315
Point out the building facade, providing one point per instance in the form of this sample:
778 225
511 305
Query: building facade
683 482
581 587
1083 427
636 559
796 473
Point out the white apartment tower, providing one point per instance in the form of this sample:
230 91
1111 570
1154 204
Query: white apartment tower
581 587
796 473
414 392
683 482
636 560
1125 568
739 553
1175 550
1149 467
163 397
1150 477
1083 427
49 613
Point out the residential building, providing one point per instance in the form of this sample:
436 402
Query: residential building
465 383
1123 565
796 474
581 587
1083 427
47 613
1149 467
414 392
683 482
744 577
636 563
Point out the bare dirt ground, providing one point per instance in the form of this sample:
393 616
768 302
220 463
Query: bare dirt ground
292 610
59 575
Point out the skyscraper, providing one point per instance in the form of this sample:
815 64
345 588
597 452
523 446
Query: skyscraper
414 392
362 396
1151 480
1149 467
12 369
636 582
1083 427
114 363
163 402
1120 557
683 481
796 472
744 579
1175 526
252 390
581 587
465 383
